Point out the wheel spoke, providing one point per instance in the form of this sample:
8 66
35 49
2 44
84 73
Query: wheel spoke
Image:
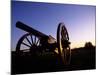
31 38
64 54
25 44
28 41
34 39
24 49
37 42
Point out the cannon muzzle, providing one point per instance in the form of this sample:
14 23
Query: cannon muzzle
28 29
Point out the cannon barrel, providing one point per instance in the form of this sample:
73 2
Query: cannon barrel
26 28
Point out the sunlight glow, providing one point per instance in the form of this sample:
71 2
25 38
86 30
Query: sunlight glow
81 44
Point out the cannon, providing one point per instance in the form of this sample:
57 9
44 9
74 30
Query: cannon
34 42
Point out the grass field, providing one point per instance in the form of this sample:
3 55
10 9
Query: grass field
81 59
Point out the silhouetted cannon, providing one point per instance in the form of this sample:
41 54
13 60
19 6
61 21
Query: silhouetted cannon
35 41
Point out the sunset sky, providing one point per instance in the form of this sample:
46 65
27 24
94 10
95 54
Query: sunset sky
45 17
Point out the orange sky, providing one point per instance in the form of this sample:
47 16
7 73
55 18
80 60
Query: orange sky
78 44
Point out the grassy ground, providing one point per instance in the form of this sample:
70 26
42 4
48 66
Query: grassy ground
81 59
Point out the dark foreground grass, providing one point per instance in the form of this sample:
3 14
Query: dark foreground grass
81 59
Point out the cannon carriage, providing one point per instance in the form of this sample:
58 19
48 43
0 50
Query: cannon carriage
35 42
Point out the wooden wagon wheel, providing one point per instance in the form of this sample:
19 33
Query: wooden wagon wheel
63 44
26 43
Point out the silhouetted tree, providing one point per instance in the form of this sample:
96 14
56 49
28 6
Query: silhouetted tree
88 45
